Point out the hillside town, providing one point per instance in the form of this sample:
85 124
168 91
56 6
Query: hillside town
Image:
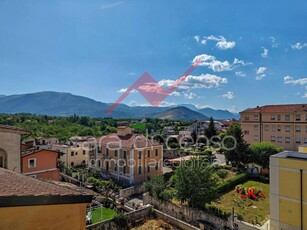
188 179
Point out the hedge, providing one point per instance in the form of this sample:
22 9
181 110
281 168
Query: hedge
230 184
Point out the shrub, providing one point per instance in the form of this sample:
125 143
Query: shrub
222 173
230 184
121 220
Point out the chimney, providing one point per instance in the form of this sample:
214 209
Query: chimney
123 130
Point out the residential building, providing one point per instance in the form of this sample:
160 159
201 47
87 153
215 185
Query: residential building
129 158
200 127
10 147
28 203
41 164
282 125
288 191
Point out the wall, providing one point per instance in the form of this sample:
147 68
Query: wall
10 143
109 224
52 217
184 213
131 191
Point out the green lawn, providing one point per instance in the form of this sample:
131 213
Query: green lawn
249 210
138 126
107 213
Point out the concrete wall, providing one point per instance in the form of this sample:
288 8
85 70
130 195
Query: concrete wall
133 216
52 217
131 191
186 214
10 144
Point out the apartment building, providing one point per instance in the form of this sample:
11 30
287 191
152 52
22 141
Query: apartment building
282 125
129 158
41 164
288 191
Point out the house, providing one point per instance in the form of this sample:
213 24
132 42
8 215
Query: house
288 190
41 164
10 147
127 157
282 125
200 127
28 203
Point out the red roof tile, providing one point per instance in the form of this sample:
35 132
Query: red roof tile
290 108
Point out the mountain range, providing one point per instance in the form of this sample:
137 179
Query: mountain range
66 104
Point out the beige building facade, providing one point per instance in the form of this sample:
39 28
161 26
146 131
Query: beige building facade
10 143
282 125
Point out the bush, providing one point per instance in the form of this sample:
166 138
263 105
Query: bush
230 184
121 220
217 212
259 178
222 173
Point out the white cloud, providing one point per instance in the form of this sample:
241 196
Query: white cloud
123 90
190 95
233 109
131 74
298 46
197 38
167 103
305 95
110 5
274 42
260 73
290 80
229 95
221 41
265 52
196 82
175 94
240 74
217 66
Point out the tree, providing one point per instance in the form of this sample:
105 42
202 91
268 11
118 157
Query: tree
194 182
210 131
261 152
236 148
155 186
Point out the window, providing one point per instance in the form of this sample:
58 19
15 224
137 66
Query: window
125 154
139 169
273 128
148 168
148 153
107 152
272 117
256 138
305 141
156 152
140 154
99 149
278 128
256 127
306 118
287 128
72 154
298 117
124 169
272 138
287 117
279 139
278 117
3 159
83 162
32 163
76 153
156 166
298 129
287 139
246 132
246 118
83 152
115 167
33 176
255 117
115 152
72 164
266 128
297 140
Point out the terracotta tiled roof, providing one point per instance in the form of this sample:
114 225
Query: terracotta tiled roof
32 151
129 141
13 184
290 108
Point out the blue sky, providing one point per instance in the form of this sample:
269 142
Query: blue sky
253 52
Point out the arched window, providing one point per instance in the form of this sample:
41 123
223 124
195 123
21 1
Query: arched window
93 163
3 159
98 164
